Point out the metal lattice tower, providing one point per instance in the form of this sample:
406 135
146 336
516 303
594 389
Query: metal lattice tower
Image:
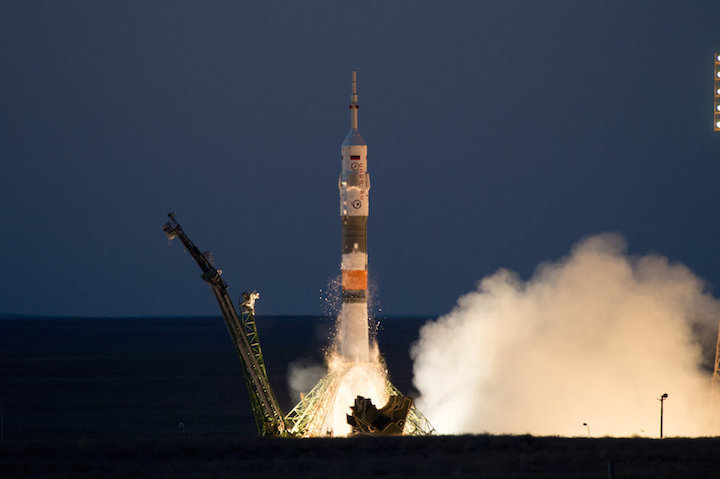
308 418
243 332
416 423
310 414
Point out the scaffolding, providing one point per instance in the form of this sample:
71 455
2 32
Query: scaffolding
243 331
309 417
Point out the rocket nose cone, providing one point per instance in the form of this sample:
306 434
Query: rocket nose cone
354 138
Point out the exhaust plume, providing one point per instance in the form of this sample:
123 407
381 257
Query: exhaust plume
594 338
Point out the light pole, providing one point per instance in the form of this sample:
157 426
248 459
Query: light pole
662 401
588 428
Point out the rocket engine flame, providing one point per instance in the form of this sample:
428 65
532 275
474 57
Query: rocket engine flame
367 379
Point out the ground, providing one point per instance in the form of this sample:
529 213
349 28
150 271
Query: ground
480 456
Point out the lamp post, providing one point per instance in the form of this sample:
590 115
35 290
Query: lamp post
662 401
588 428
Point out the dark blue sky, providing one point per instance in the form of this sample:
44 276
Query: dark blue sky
499 135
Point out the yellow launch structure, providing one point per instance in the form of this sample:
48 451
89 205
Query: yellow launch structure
355 372
309 417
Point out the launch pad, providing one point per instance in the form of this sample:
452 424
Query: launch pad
311 417
357 378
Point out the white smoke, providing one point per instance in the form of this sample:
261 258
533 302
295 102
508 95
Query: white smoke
594 338
302 376
353 368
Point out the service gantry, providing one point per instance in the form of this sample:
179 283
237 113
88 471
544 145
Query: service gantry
307 417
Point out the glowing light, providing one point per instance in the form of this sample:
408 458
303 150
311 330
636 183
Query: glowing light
718 74
486 392
717 108
717 124
353 379
718 58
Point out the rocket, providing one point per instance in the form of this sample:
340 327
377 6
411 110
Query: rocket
354 185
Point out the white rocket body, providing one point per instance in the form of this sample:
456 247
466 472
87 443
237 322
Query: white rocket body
354 185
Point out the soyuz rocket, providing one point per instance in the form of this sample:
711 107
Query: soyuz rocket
354 185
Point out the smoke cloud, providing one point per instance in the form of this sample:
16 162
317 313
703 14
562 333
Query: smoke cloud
302 376
594 338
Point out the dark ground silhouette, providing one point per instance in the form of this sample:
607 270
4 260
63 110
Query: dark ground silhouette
105 398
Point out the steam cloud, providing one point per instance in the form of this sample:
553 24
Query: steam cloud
302 375
595 337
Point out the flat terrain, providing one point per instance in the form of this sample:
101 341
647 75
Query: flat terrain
453 456
106 398
70 378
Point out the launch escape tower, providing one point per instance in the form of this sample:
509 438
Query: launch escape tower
309 418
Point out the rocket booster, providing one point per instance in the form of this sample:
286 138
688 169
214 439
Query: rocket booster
354 185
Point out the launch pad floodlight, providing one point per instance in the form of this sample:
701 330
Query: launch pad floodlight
717 92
